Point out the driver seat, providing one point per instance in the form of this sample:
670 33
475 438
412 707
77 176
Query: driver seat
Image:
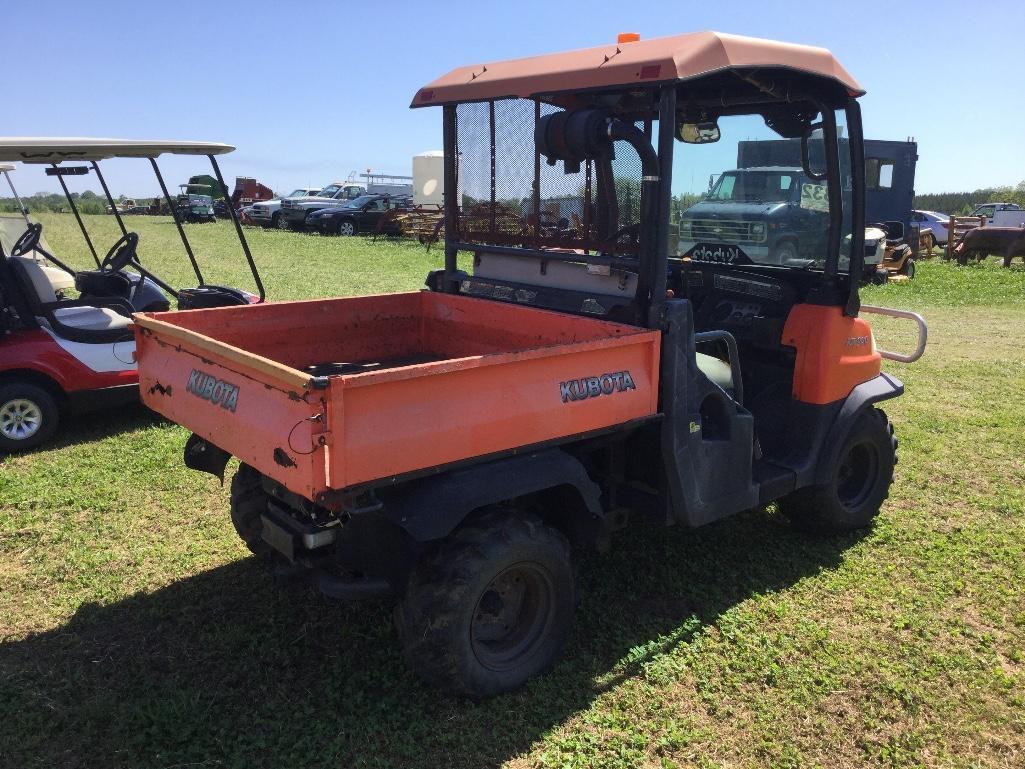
96 320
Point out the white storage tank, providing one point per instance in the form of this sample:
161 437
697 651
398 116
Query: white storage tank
429 178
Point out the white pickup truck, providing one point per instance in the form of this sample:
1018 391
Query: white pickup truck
267 213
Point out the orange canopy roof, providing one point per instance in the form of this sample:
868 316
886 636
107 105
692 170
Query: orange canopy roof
680 57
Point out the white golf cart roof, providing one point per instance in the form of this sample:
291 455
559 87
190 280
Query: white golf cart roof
6 167
50 149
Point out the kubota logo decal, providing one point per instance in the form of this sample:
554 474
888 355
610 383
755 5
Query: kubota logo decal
593 386
210 388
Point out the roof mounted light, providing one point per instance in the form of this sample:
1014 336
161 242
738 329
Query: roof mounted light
628 37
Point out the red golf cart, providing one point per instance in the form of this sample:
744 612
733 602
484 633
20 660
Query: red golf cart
65 341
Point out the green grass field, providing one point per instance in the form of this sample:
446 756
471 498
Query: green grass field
136 632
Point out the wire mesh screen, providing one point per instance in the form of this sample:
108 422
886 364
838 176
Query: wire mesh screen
509 196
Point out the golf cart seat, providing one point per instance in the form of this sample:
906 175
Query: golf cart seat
103 283
717 371
95 320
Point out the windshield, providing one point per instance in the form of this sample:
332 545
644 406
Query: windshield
359 202
329 191
754 186
758 206
302 192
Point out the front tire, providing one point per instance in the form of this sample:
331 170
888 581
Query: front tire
277 221
248 503
859 482
491 607
908 268
28 416
786 252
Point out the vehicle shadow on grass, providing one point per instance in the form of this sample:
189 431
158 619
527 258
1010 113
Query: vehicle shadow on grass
226 668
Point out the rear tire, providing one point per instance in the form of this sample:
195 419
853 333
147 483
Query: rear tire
248 503
859 482
491 607
28 416
908 268
346 227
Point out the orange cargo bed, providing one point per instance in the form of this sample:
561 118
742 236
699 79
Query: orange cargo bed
330 394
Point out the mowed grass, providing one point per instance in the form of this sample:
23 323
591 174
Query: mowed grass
136 632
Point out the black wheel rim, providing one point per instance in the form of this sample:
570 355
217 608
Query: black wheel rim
512 617
856 475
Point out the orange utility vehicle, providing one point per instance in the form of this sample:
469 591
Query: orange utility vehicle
450 447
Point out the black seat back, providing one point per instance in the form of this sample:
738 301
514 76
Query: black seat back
103 283
205 297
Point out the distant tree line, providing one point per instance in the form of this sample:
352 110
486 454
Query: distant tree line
957 203
88 202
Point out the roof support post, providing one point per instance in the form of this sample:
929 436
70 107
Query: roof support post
177 222
110 198
238 228
666 139
857 260
451 197
831 148
78 217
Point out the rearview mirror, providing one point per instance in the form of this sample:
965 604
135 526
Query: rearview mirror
806 161
698 133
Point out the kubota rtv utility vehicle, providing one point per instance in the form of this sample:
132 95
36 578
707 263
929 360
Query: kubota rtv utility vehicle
451 447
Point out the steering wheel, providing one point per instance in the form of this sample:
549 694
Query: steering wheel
28 241
121 253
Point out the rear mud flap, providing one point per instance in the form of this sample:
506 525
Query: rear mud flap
202 455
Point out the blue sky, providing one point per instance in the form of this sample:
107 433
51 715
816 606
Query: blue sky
309 91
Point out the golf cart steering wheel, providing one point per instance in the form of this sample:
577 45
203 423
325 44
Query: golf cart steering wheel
28 241
121 254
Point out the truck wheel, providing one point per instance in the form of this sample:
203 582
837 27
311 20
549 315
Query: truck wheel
786 252
491 607
248 503
28 416
859 483
277 222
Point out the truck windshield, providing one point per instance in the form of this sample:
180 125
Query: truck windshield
329 191
754 187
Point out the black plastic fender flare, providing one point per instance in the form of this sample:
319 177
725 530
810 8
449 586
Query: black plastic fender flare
881 388
431 508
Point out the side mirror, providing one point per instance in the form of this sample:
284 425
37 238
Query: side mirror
698 133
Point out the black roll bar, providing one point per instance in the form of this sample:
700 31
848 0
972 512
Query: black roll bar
666 142
177 222
110 199
857 259
238 229
833 190
78 217
451 197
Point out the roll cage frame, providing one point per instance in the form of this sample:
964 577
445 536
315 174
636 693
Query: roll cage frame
652 264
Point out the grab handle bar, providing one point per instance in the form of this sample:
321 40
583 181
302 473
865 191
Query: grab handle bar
923 332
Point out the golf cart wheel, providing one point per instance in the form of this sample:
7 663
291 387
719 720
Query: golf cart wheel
248 503
859 482
28 416
491 607
908 268
346 227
